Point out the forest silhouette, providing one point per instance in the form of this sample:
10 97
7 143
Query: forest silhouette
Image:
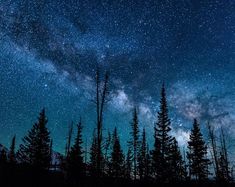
162 165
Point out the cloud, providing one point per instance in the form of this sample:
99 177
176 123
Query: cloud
196 101
121 101
182 136
145 111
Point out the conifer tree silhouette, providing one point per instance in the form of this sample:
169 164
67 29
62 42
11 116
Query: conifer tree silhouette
163 142
3 156
107 151
128 164
178 172
197 154
35 149
93 156
134 142
12 154
76 167
143 157
117 157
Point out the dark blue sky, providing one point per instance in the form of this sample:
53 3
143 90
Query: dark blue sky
50 49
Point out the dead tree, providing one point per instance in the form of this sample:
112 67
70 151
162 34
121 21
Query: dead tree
100 101
214 153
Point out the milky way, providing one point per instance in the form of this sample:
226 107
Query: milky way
50 50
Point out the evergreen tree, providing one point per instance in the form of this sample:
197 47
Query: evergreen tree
134 142
35 149
117 157
163 142
51 152
128 164
178 172
3 165
93 156
197 154
76 166
107 152
156 158
12 156
3 157
148 164
142 161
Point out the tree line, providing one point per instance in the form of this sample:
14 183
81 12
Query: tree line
164 163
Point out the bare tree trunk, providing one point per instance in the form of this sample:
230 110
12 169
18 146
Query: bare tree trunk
225 153
101 99
98 121
68 144
214 153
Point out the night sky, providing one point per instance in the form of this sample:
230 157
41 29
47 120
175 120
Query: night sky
49 50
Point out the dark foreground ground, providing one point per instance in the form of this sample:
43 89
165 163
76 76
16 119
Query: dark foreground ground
29 178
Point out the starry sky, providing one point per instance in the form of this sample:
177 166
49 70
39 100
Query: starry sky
49 51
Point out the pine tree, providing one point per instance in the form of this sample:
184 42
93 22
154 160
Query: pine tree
142 160
3 165
51 152
128 164
93 156
134 142
3 157
156 158
163 142
35 149
178 172
107 150
76 166
117 157
148 164
12 155
197 154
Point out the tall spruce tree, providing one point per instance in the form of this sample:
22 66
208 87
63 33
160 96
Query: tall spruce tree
35 149
163 142
142 160
107 153
134 142
76 167
51 152
128 164
93 156
117 157
12 155
197 154
148 164
178 172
